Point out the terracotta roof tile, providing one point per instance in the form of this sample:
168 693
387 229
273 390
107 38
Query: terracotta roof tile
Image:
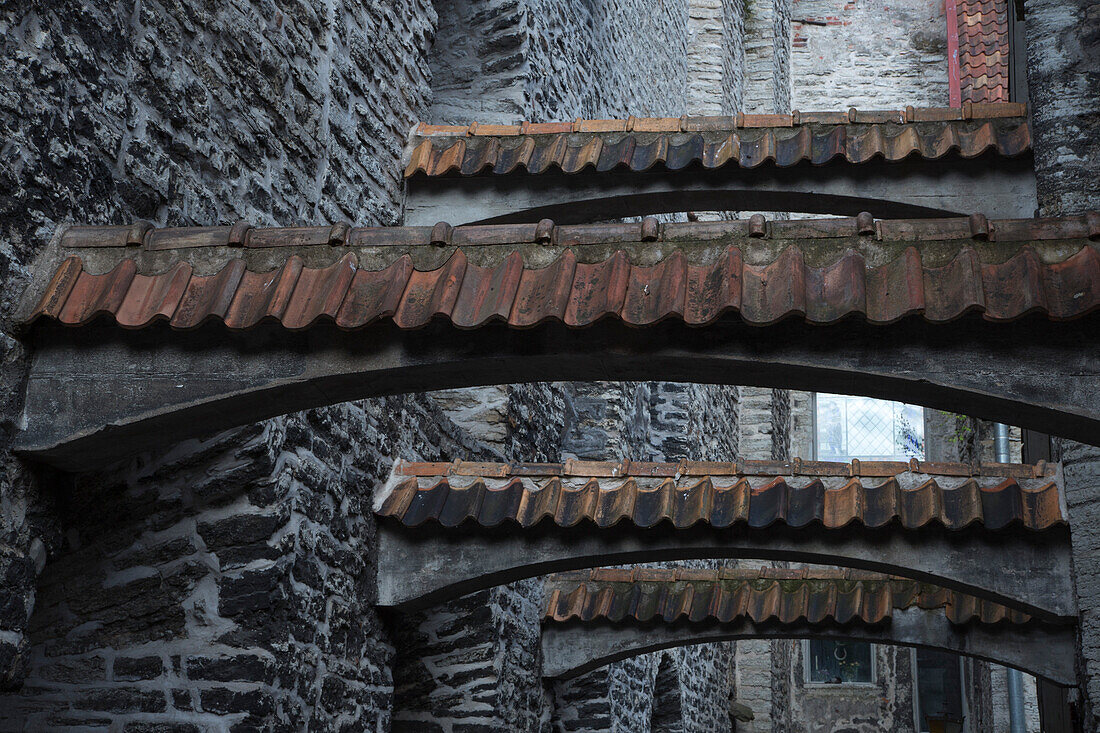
983 50
783 595
757 494
297 284
746 140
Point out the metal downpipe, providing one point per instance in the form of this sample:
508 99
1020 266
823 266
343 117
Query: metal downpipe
1017 718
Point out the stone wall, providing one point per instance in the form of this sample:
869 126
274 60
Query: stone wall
884 705
1063 71
186 113
1081 466
505 60
870 54
479 61
553 59
716 57
767 56
607 57
682 690
227 584
658 421
472 664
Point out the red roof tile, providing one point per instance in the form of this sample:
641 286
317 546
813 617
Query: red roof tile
1047 266
786 596
712 142
983 50
753 493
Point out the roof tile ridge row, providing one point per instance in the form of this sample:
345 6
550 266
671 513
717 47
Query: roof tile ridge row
636 574
793 467
576 294
841 602
638 151
690 123
242 235
778 502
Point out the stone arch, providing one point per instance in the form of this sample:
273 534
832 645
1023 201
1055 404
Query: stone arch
449 529
1046 652
98 395
861 311
882 191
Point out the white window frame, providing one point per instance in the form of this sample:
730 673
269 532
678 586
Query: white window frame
813 426
807 682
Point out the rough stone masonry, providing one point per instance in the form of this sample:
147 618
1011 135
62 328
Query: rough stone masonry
225 584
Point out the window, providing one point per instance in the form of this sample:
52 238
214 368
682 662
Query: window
939 690
831 662
868 429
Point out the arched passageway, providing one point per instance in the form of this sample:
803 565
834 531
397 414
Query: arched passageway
1048 654
602 616
450 529
902 163
992 329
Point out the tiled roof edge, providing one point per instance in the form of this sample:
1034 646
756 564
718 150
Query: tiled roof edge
795 467
909 500
637 574
686 123
816 596
143 235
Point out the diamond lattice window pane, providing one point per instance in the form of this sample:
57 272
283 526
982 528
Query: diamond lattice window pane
871 430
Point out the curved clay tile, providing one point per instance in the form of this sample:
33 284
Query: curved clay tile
772 140
610 501
815 597
581 293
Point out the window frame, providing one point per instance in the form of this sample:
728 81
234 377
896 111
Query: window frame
807 682
815 443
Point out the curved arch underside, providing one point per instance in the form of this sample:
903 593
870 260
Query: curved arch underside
1028 571
572 649
912 188
98 394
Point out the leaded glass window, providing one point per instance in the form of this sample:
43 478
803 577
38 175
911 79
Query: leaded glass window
868 429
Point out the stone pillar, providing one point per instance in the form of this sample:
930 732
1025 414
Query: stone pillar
472 664
1063 72
617 698
1082 482
716 57
753 686
767 57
